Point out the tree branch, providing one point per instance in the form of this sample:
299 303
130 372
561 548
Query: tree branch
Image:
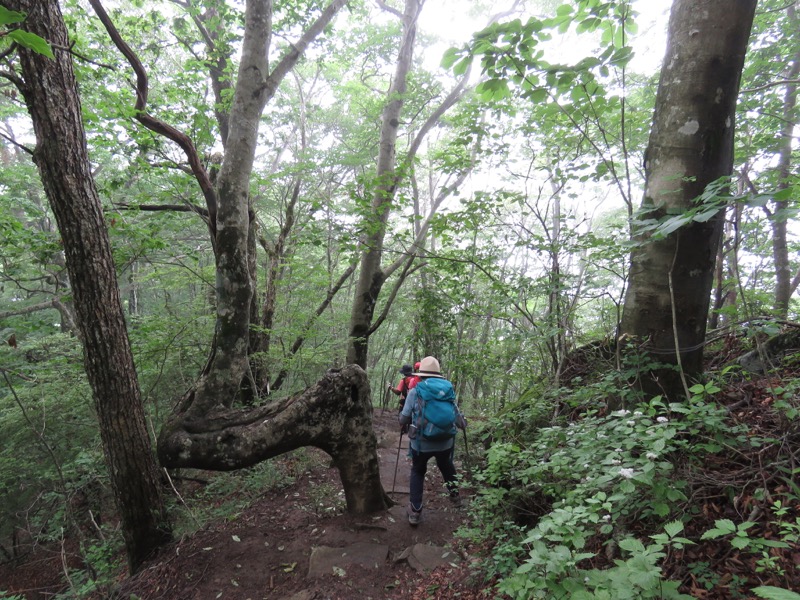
54 303
452 98
16 143
13 78
418 242
407 270
163 208
296 50
771 84
156 125
389 9
27 310
298 343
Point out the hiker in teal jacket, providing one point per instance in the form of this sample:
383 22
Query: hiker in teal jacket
423 449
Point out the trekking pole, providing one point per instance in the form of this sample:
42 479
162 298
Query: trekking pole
397 462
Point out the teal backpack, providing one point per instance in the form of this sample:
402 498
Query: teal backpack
436 414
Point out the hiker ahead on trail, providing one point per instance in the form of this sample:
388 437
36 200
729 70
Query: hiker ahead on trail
431 418
406 384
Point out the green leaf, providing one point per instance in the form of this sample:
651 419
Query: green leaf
10 16
784 194
588 24
631 545
493 89
461 66
740 543
775 593
577 94
672 224
725 524
32 42
673 528
772 543
706 215
661 509
449 58
538 95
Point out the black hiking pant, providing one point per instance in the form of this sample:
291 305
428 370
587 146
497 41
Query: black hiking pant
419 466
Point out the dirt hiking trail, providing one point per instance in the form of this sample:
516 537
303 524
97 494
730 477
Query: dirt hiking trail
283 547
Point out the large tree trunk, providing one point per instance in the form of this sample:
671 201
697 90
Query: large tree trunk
691 145
51 95
335 415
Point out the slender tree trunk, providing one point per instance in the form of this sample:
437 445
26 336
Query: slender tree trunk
691 145
779 217
371 277
133 292
51 95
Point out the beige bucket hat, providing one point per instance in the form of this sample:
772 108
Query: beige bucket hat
429 367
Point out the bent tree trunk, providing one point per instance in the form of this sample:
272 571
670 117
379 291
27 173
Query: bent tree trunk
691 145
334 415
51 95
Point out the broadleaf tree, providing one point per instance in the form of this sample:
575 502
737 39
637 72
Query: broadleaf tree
689 153
51 96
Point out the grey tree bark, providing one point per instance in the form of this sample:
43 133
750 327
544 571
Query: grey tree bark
691 145
51 95
371 277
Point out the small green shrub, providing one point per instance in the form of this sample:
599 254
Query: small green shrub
554 497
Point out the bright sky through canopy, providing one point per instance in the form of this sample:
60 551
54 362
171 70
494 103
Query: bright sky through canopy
454 22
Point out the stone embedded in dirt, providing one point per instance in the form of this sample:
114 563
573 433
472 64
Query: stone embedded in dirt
424 557
371 526
326 560
304 595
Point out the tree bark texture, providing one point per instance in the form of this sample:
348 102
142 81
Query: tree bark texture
229 365
50 91
691 145
235 236
334 415
371 276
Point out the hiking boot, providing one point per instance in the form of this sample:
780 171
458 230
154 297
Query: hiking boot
414 517
455 500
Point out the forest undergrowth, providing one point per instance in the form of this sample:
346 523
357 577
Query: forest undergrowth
587 491
650 499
